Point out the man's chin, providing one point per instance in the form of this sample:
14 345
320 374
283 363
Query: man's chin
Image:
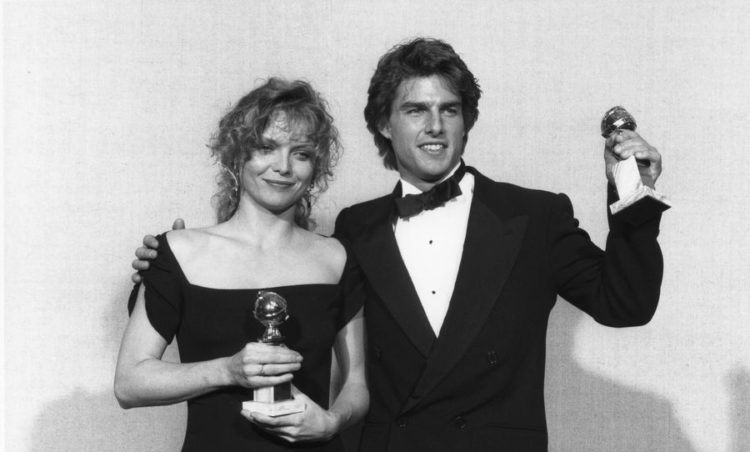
437 173
433 178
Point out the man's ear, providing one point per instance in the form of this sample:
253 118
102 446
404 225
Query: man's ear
385 129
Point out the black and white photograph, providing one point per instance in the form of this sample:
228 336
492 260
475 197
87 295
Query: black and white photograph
515 226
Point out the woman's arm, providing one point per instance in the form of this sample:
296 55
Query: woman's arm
348 408
143 379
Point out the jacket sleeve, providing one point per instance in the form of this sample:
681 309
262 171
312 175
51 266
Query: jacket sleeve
340 227
353 279
619 286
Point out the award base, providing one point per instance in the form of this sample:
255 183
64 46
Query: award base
274 401
640 205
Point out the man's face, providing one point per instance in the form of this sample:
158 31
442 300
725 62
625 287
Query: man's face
426 129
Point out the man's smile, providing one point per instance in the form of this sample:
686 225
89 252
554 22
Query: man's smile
432 148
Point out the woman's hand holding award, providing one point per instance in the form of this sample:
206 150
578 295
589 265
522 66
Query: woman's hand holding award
271 310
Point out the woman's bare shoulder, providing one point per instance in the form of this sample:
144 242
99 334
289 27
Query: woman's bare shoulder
328 251
188 242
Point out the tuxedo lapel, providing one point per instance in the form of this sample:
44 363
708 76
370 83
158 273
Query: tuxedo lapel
379 257
490 250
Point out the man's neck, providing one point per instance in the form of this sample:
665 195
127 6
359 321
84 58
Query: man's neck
423 185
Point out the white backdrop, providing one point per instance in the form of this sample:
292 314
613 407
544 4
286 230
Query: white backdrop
108 106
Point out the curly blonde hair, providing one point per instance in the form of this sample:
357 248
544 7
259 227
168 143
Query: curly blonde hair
241 131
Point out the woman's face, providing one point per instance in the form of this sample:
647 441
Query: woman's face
280 171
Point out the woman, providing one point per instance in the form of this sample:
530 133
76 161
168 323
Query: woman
276 148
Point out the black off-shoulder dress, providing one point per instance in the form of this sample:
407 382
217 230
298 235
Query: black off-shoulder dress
210 323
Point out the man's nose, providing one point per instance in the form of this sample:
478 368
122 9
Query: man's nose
434 125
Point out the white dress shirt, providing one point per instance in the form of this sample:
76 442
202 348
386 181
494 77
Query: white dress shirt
431 244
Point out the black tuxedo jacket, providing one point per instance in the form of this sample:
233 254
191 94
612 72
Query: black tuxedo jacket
479 384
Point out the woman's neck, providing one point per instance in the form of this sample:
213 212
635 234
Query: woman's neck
261 227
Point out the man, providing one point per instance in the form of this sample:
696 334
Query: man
458 283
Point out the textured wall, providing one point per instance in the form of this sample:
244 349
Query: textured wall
108 107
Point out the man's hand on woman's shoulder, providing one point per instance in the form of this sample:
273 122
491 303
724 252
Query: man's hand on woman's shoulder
147 251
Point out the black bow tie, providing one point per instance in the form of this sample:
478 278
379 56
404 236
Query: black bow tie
410 205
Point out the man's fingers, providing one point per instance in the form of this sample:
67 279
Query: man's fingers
149 241
621 135
178 224
649 153
140 265
136 277
639 148
144 253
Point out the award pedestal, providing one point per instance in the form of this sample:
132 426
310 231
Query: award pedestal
637 202
274 401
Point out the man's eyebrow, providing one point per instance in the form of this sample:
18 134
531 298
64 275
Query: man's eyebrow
412 104
455 103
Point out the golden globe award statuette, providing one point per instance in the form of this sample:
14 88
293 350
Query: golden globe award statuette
271 310
637 202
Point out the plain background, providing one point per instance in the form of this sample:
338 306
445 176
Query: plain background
108 107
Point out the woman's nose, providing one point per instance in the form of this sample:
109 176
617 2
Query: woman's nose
281 162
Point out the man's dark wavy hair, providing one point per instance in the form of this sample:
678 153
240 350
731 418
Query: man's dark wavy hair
421 57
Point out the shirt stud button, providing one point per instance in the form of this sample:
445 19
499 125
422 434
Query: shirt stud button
460 422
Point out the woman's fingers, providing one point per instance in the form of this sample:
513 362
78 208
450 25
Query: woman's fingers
258 352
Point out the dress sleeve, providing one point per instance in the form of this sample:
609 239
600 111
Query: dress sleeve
164 292
351 287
